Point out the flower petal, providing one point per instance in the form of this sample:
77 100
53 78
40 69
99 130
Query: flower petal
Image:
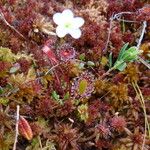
78 22
57 18
67 14
61 31
75 33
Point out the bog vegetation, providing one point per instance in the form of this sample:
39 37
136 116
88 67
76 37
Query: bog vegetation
74 75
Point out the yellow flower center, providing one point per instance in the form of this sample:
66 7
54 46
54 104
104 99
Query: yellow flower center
68 25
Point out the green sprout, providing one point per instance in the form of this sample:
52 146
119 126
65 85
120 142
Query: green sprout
125 55
57 98
83 112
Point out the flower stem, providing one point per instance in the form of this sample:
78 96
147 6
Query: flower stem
140 96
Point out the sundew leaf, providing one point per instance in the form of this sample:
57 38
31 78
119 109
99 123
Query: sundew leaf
122 51
82 86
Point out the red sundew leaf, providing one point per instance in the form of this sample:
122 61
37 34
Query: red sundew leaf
66 52
25 129
50 54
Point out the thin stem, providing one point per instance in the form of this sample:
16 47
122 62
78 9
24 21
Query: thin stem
145 131
17 132
142 34
51 69
144 62
12 27
139 44
40 143
109 33
111 69
106 73
140 96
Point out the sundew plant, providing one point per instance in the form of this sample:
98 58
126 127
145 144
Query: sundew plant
74 75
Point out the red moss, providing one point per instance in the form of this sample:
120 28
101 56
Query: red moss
118 123
128 37
66 136
103 144
116 39
27 110
4 66
3 81
24 65
81 2
116 6
15 44
66 109
93 111
144 13
45 107
137 138
146 91
36 86
104 130
93 38
36 129
118 78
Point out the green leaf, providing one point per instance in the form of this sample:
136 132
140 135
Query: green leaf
66 96
57 98
110 60
76 102
121 67
122 51
83 112
1 90
55 95
82 86
82 57
131 54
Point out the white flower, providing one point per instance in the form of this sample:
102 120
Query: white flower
68 24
